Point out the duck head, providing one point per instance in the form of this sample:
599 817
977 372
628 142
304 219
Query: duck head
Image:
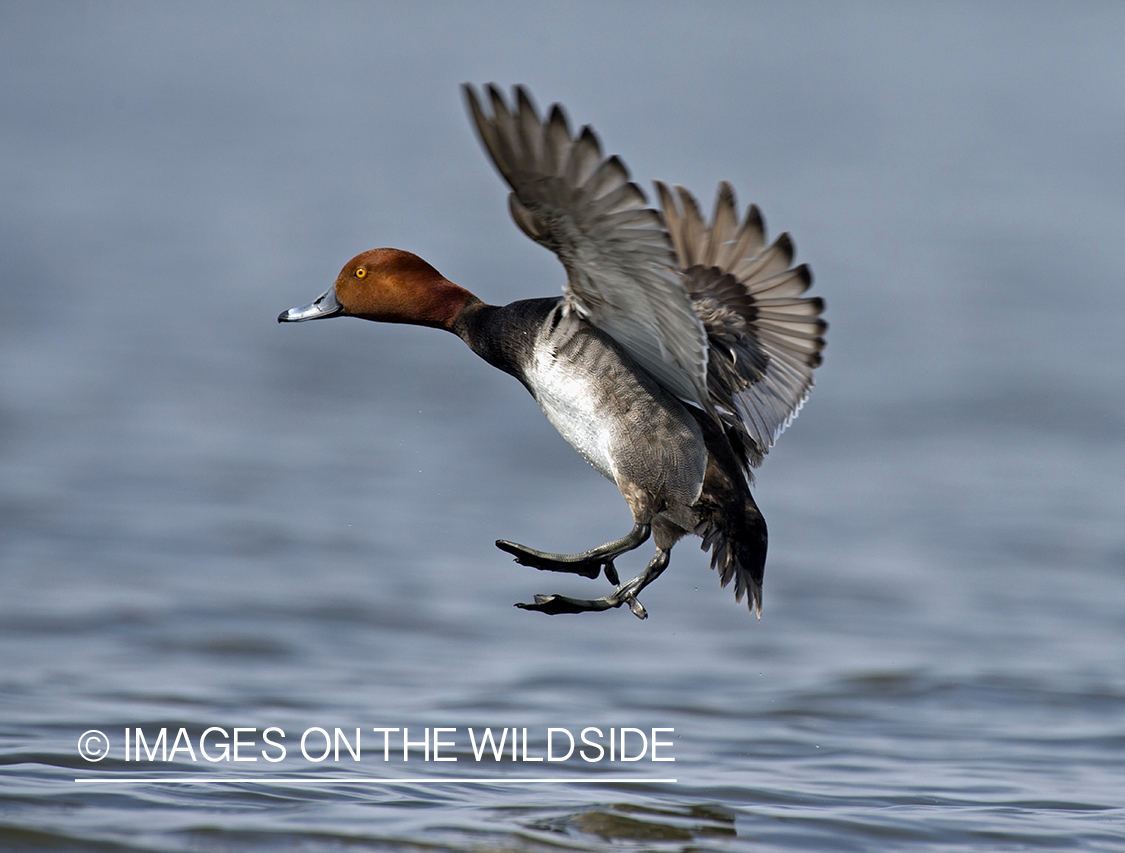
388 285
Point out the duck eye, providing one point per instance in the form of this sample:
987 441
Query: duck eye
360 272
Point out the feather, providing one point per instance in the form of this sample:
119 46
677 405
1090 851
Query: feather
621 269
764 339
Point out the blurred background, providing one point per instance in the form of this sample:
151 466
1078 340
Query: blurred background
210 519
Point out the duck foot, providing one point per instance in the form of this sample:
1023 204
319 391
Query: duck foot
551 562
555 604
588 563
626 593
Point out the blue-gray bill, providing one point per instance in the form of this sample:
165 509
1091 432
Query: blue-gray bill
325 305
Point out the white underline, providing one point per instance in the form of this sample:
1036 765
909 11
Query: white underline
372 780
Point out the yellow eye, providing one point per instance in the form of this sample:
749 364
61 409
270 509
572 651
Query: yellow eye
360 272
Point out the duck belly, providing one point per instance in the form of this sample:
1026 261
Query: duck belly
576 408
618 418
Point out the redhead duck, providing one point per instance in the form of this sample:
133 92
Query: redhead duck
678 352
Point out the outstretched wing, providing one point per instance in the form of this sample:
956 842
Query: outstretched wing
621 271
764 337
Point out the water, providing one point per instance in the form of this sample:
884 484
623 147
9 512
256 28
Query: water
210 520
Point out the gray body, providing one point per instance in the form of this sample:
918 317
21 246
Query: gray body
618 418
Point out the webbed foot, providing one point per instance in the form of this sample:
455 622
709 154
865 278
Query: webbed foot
589 568
555 604
588 563
626 593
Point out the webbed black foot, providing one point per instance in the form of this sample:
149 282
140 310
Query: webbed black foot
550 562
588 563
552 605
626 593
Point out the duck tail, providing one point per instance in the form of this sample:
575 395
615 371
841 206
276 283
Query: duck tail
734 530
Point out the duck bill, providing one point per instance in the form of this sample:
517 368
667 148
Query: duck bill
325 305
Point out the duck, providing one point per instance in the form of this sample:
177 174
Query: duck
677 353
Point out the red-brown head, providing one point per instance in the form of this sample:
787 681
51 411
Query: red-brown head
389 285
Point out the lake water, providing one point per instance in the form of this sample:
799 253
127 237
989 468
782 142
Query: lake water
209 521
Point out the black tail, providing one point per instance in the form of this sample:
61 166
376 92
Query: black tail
735 532
730 522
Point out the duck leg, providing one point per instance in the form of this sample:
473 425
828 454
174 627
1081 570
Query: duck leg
588 564
626 593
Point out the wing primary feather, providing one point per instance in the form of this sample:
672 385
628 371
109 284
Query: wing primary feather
693 228
724 223
750 241
584 157
773 260
530 129
672 220
556 142
610 174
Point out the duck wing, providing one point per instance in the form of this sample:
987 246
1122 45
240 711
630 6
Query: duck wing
621 270
764 337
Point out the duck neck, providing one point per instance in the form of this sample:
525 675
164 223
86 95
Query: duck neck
446 302
471 324
504 336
